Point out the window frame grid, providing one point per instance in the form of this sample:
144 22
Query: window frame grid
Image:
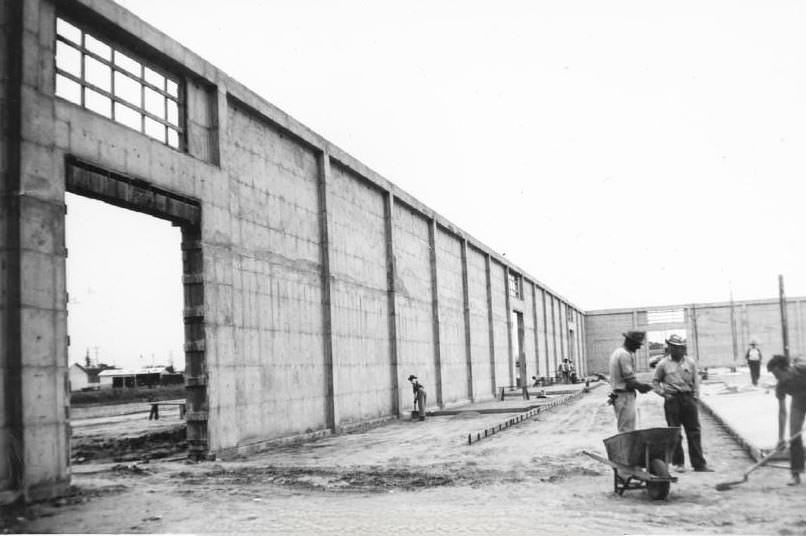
84 84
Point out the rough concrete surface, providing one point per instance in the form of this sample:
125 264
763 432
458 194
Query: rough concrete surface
409 476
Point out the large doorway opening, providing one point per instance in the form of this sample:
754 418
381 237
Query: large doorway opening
133 320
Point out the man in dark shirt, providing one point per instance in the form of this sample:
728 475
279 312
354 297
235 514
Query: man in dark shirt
419 396
791 381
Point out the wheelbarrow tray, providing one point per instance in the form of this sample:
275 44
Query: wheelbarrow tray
640 459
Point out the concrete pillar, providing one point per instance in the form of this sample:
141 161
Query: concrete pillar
490 321
391 271
432 244
545 329
466 310
509 326
537 338
33 300
331 416
196 377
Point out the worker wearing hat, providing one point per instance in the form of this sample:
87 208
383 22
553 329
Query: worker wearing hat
419 396
623 380
677 381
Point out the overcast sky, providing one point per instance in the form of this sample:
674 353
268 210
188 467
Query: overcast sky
623 153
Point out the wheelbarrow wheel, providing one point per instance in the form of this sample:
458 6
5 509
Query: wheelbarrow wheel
658 490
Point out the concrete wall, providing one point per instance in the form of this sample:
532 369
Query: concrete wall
708 328
313 286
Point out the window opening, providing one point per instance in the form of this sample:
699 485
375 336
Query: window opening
96 75
667 316
515 286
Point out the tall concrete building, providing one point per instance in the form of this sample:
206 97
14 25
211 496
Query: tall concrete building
313 286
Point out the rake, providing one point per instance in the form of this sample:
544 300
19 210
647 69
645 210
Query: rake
727 485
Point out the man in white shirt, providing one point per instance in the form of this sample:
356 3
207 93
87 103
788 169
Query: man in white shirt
753 358
677 381
623 380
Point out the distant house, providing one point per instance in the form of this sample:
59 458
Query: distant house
149 376
83 378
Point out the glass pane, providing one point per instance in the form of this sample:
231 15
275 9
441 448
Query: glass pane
173 112
97 73
125 62
154 103
68 31
173 138
154 78
155 130
97 102
98 47
127 88
68 59
172 87
67 89
127 116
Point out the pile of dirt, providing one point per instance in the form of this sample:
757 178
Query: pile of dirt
145 446
319 478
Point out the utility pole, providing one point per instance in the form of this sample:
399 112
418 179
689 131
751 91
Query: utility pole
784 327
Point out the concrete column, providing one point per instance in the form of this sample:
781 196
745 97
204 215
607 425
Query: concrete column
331 415
432 243
534 322
11 427
799 329
490 321
466 307
391 271
32 272
545 329
196 378
554 331
509 327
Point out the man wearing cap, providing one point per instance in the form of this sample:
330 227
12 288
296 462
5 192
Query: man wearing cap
791 381
623 380
419 396
677 381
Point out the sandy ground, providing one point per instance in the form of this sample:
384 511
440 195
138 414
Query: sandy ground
422 477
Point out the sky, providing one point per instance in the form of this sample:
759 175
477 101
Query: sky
623 153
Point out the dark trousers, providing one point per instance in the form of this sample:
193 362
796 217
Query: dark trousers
755 367
681 410
421 403
797 412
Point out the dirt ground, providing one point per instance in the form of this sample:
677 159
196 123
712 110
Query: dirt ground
423 477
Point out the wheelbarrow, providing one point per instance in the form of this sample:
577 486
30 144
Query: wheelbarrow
640 460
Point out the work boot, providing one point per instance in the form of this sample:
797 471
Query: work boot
422 418
679 468
795 481
703 469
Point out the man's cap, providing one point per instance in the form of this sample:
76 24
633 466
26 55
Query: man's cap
412 377
635 336
777 361
675 340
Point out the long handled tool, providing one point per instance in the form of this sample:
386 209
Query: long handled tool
727 485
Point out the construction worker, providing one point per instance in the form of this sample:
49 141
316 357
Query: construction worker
419 396
791 381
677 381
623 381
753 358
